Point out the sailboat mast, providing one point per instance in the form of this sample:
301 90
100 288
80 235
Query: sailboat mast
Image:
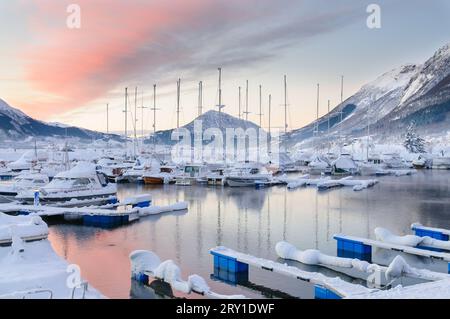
285 105
317 110
270 111
260 106
126 122
220 89
200 98
239 102
246 101
135 119
142 115
107 118
328 130
178 103
154 110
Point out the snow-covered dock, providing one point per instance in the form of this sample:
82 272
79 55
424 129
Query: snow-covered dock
397 268
325 287
96 216
145 264
347 181
363 246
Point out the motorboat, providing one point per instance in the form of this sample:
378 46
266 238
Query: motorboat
192 174
422 161
319 165
247 174
344 165
141 166
21 183
394 161
166 175
216 176
113 168
441 162
78 186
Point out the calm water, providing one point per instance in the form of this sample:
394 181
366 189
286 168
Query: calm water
250 221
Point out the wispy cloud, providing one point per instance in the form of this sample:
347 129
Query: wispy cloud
122 41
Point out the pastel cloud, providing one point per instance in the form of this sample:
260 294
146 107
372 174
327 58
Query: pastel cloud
122 41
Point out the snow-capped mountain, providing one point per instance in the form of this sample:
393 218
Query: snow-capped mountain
15 125
209 120
419 93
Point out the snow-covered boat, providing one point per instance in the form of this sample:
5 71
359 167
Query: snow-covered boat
140 167
344 165
28 160
247 174
422 162
394 161
441 162
216 176
166 175
113 168
23 182
78 186
192 174
318 166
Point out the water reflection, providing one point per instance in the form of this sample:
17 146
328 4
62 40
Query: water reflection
252 221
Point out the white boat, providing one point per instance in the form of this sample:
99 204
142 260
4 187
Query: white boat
21 183
394 161
344 165
27 161
216 176
192 174
140 167
441 162
422 161
166 175
319 165
76 187
247 174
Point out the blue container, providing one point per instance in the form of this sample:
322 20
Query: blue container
229 264
347 248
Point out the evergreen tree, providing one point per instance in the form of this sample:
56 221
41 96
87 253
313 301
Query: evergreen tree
413 142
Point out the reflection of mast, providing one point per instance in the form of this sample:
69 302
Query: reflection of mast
219 225
316 224
199 229
285 219
177 240
328 217
268 223
340 213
